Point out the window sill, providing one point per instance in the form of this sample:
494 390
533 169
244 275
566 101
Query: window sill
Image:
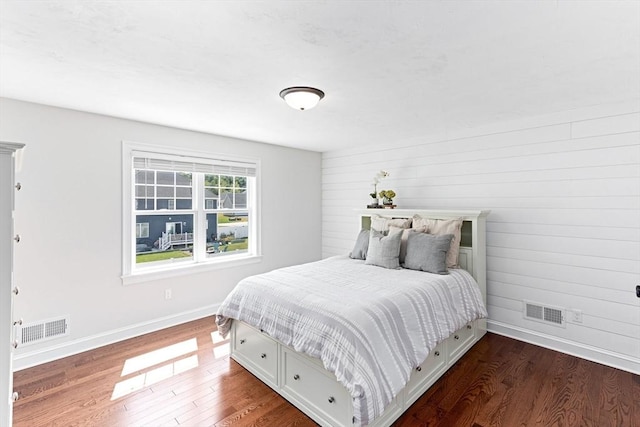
186 269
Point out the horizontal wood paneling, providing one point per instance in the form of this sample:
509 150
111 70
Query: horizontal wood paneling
564 191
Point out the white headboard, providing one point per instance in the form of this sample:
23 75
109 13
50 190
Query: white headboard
473 247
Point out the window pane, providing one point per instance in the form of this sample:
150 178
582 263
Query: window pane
211 180
183 178
164 204
226 198
144 191
211 203
169 239
166 192
144 204
183 204
166 178
241 182
210 193
240 198
228 233
183 192
144 177
226 181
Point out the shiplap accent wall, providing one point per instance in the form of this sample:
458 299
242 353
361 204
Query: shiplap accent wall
564 228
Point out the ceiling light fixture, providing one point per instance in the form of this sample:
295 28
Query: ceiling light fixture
301 97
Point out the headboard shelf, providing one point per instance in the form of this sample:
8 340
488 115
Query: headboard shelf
473 236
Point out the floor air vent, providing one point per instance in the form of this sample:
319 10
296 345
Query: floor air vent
44 330
546 314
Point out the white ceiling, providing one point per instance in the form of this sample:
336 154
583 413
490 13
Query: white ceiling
391 70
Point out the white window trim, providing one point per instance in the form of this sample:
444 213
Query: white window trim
129 276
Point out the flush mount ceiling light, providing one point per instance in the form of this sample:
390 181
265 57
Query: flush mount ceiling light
301 97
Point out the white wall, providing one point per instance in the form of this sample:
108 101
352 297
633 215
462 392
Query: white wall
69 216
564 228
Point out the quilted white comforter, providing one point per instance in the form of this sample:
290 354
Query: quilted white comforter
370 326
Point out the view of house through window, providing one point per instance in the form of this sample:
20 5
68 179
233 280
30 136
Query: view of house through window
187 215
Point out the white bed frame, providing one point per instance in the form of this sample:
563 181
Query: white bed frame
305 383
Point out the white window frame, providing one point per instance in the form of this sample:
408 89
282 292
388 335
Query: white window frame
200 262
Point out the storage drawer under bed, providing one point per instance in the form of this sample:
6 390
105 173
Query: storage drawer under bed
460 342
304 379
258 350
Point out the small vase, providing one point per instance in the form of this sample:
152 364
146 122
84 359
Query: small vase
387 201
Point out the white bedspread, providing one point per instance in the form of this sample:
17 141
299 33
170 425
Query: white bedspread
370 326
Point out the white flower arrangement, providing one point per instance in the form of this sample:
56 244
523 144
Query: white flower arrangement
376 180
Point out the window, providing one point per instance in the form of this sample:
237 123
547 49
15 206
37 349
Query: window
185 209
142 230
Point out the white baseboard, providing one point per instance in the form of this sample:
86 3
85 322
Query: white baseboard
69 348
594 354
48 354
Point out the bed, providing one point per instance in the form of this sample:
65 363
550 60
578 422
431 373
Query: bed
350 343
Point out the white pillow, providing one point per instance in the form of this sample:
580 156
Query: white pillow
380 223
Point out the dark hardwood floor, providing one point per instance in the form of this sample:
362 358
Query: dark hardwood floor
183 376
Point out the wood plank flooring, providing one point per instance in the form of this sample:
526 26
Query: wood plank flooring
183 376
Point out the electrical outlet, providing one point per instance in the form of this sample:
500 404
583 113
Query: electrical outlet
576 316
167 294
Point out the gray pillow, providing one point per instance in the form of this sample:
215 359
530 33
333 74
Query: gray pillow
362 245
384 250
428 252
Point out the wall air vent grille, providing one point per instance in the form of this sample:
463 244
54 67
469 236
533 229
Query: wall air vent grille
534 311
545 314
553 315
44 330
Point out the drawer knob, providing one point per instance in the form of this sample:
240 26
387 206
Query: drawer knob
437 353
17 238
242 341
16 290
17 322
263 356
18 186
14 344
456 337
296 377
15 396
468 326
419 369
331 399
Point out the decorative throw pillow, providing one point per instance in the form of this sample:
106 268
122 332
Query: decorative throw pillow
380 223
444 226
405 233
362 244
428 252
384 250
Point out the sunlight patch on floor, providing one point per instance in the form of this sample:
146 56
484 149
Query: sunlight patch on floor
154 376
221 346
221 351
155 358
139 363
